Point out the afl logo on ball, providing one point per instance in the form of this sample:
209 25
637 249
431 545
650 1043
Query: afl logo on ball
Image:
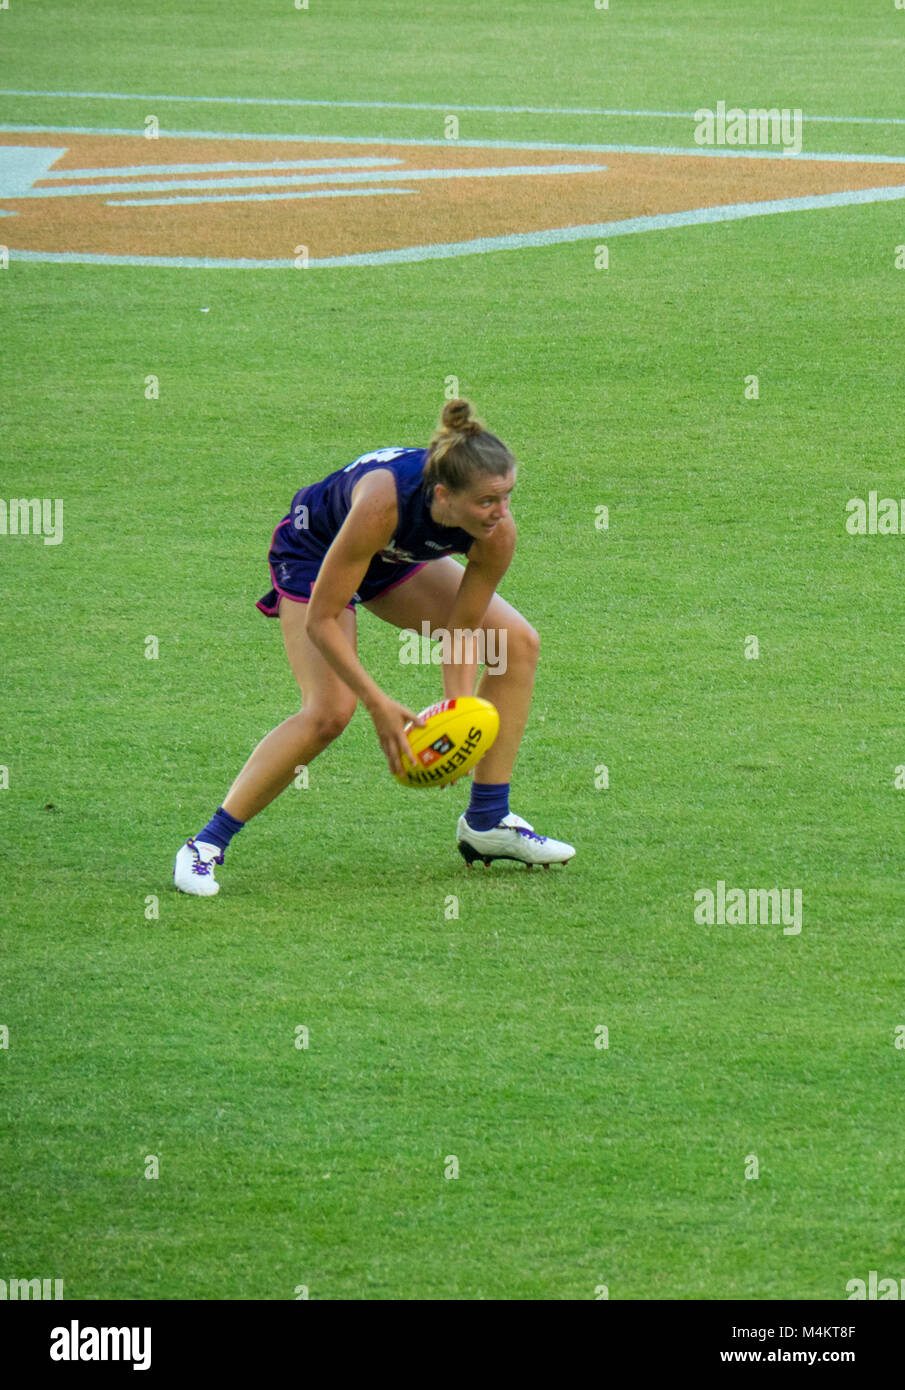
438 749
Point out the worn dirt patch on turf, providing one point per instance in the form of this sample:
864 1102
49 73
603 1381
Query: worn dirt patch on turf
436 211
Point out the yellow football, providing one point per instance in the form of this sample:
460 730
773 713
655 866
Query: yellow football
456 736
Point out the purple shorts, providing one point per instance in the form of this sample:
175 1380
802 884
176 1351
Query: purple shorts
294 568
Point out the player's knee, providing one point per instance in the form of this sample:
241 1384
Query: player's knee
524 644
326 723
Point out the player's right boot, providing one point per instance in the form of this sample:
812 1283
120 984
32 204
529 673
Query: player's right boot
513 838
193 871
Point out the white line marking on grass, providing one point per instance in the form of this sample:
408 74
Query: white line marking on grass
156 262
299 180
20 165
417 106
660 222
234 167
702 152
256 197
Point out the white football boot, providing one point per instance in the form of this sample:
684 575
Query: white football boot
513 838
193 871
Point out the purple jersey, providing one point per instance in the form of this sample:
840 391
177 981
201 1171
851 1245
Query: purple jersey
302 539
319 510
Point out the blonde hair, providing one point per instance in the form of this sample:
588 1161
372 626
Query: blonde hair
462 450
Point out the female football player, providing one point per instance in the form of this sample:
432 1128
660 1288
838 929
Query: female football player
380 533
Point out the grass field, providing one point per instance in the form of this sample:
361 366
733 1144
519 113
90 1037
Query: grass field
472 1036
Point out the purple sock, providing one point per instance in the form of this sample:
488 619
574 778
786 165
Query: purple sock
488 806
220 830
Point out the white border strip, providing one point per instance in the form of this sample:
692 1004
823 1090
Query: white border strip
697 151
140 171
414 106
250 181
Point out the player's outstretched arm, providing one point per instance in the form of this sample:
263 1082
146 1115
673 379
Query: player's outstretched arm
488 561
368 527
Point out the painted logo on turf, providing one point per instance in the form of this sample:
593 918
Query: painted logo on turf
180 199
187 200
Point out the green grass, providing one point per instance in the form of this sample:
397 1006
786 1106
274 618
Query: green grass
843 59
471 1036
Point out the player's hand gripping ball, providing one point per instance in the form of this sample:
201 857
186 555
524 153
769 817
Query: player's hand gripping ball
456 736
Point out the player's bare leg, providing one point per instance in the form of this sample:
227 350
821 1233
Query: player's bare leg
327 706
511 691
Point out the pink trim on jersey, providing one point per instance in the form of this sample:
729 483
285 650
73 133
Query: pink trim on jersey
296 598
397 582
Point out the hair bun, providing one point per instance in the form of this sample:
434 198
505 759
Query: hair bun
457 417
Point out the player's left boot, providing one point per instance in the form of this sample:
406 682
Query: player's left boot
193 871
513 838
